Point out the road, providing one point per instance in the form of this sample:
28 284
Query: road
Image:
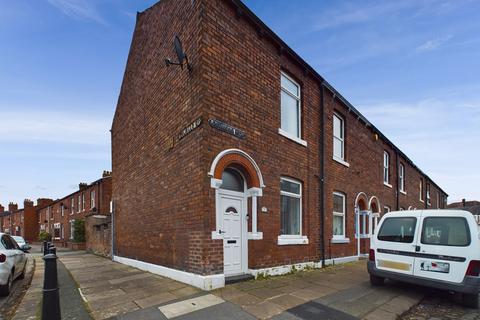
9 304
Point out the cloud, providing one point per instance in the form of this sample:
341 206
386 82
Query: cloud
434 44
78 9
57 127
438 134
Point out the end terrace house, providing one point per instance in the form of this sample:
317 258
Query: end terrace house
243 159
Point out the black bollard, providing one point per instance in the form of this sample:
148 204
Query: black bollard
45 247
53 250
51 298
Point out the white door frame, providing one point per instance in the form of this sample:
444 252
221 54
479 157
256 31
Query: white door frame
243 223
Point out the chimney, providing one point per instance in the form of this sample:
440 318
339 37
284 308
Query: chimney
12 207
82 185
463 203
43 202
106 174
2 209
27 203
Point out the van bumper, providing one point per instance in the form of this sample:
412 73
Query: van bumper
468 285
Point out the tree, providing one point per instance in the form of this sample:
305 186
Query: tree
44 236
78 230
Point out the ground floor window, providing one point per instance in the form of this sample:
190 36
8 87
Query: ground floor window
56 231
338 215
72 229
291 207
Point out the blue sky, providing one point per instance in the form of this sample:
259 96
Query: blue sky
410 66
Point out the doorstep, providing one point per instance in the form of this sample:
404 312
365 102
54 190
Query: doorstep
238 278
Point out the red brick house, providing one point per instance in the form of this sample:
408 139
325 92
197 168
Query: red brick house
248 162
91 200
23 222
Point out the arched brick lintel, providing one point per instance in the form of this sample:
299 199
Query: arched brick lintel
241 160
361 201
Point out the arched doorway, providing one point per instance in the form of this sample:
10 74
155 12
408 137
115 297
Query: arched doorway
374 205
235 177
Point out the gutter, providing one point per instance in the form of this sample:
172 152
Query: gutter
321 196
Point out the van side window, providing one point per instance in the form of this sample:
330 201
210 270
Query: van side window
398 230
446 231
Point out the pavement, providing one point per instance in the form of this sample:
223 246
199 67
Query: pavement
115 291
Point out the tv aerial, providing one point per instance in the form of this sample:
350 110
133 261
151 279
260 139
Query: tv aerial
181 55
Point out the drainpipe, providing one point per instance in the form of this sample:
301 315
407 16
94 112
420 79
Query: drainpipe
397 192
321 196
112 236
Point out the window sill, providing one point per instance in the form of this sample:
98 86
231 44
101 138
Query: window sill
285 241
387 184
342 162
293 138
340 240
403 192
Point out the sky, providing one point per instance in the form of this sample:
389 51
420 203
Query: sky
411 67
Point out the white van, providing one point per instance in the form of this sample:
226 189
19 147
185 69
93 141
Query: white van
434 248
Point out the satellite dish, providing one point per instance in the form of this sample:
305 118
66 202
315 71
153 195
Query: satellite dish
179 49
181 55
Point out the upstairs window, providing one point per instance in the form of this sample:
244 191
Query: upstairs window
83 201
401 177
290 107
386 167
79 207
338 137
291 207
428 195
92 199
72 205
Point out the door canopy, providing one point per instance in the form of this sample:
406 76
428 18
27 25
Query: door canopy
240 160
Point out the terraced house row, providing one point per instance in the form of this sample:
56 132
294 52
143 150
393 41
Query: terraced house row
243 160
90 205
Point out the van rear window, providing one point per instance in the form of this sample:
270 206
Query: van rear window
398 230
446 231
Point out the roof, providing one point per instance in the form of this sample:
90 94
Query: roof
264 30
71 194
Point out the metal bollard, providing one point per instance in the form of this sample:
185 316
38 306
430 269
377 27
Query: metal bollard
45 247
53 250
51 298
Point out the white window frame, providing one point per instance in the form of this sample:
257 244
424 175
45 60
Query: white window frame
298 98
62 209
71 229
340 214
401 177
429 203
92 199
341 139
83 201
386 169
72 205
289 239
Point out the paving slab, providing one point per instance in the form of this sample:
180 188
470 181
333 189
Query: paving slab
314 310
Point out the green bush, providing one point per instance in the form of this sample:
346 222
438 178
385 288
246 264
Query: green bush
78 230
44 236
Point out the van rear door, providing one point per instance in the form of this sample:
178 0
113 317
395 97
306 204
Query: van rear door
444 247
395 244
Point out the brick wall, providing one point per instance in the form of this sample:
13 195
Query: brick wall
164 202
157 191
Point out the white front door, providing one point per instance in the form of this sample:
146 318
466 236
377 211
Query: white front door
233 208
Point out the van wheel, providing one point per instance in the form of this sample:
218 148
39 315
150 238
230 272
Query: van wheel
376 281
470 300
5 289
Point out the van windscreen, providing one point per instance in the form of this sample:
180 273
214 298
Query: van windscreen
398 230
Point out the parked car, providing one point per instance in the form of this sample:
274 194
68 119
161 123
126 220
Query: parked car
13 263
433 248
24 246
